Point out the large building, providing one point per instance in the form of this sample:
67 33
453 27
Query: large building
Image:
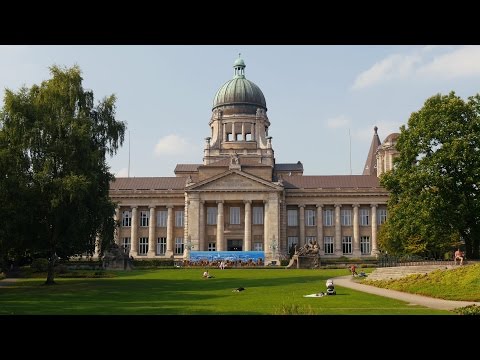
241 199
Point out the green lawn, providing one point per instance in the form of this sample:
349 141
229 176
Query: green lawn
184 291
461 283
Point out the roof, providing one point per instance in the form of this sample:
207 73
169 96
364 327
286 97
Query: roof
391 138
148 183
239 90
331 182
289 167
370 167
186 167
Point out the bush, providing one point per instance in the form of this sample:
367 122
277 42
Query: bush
468 310
39 265
152 263
2 276
61 269
284 262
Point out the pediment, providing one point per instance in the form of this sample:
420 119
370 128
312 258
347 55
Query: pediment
235 181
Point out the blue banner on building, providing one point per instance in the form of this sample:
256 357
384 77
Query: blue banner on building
227 255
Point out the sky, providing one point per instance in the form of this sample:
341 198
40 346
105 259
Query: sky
323 101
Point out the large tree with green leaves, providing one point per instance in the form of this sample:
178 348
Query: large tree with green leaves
53 172
434 186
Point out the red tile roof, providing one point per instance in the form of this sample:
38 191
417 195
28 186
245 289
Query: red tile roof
330 182
148 183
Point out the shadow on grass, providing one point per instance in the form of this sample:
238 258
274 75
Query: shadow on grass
178 292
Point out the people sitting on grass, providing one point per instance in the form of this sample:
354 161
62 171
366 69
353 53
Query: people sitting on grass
207 275
458 255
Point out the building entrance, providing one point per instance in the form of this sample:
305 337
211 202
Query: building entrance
234 245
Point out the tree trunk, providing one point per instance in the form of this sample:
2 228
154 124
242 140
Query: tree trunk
51 270
475 248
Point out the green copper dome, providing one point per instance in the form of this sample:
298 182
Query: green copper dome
239 90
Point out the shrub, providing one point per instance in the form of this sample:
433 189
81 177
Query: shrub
2 276
284 262
39 265
61 269
468 310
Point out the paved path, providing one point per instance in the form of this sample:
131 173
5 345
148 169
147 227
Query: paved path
7 281
440 304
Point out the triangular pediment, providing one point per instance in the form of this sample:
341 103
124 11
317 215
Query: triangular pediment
235 180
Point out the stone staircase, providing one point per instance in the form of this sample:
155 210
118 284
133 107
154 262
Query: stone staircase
397 272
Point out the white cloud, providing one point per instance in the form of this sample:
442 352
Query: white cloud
338 122
461 62
427 62
172 145
123 172
392 67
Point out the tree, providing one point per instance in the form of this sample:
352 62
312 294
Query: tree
54 143
434 186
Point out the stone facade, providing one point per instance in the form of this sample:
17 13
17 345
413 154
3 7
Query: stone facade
240 199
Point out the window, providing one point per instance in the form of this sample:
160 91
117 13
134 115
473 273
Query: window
143 246
179 245
162 216
346 217
211 215
212 246
310 239
161 245
126 218
328 217
144 218
310 217
179 218
347 244
126 244
292 217
381 216
365 245
292 241
257 246
234 215
364 217
257 215
328 241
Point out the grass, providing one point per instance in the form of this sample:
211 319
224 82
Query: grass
462 283
185 292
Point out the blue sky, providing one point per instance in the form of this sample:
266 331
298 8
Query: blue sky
315 95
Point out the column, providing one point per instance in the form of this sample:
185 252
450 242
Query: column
234 136
356 231
152 242
266 226
169 252
301 220
252 130
248 225
338 231
134 232
374 229
243 131
201 232
116 234
224 126
320 229
220 227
